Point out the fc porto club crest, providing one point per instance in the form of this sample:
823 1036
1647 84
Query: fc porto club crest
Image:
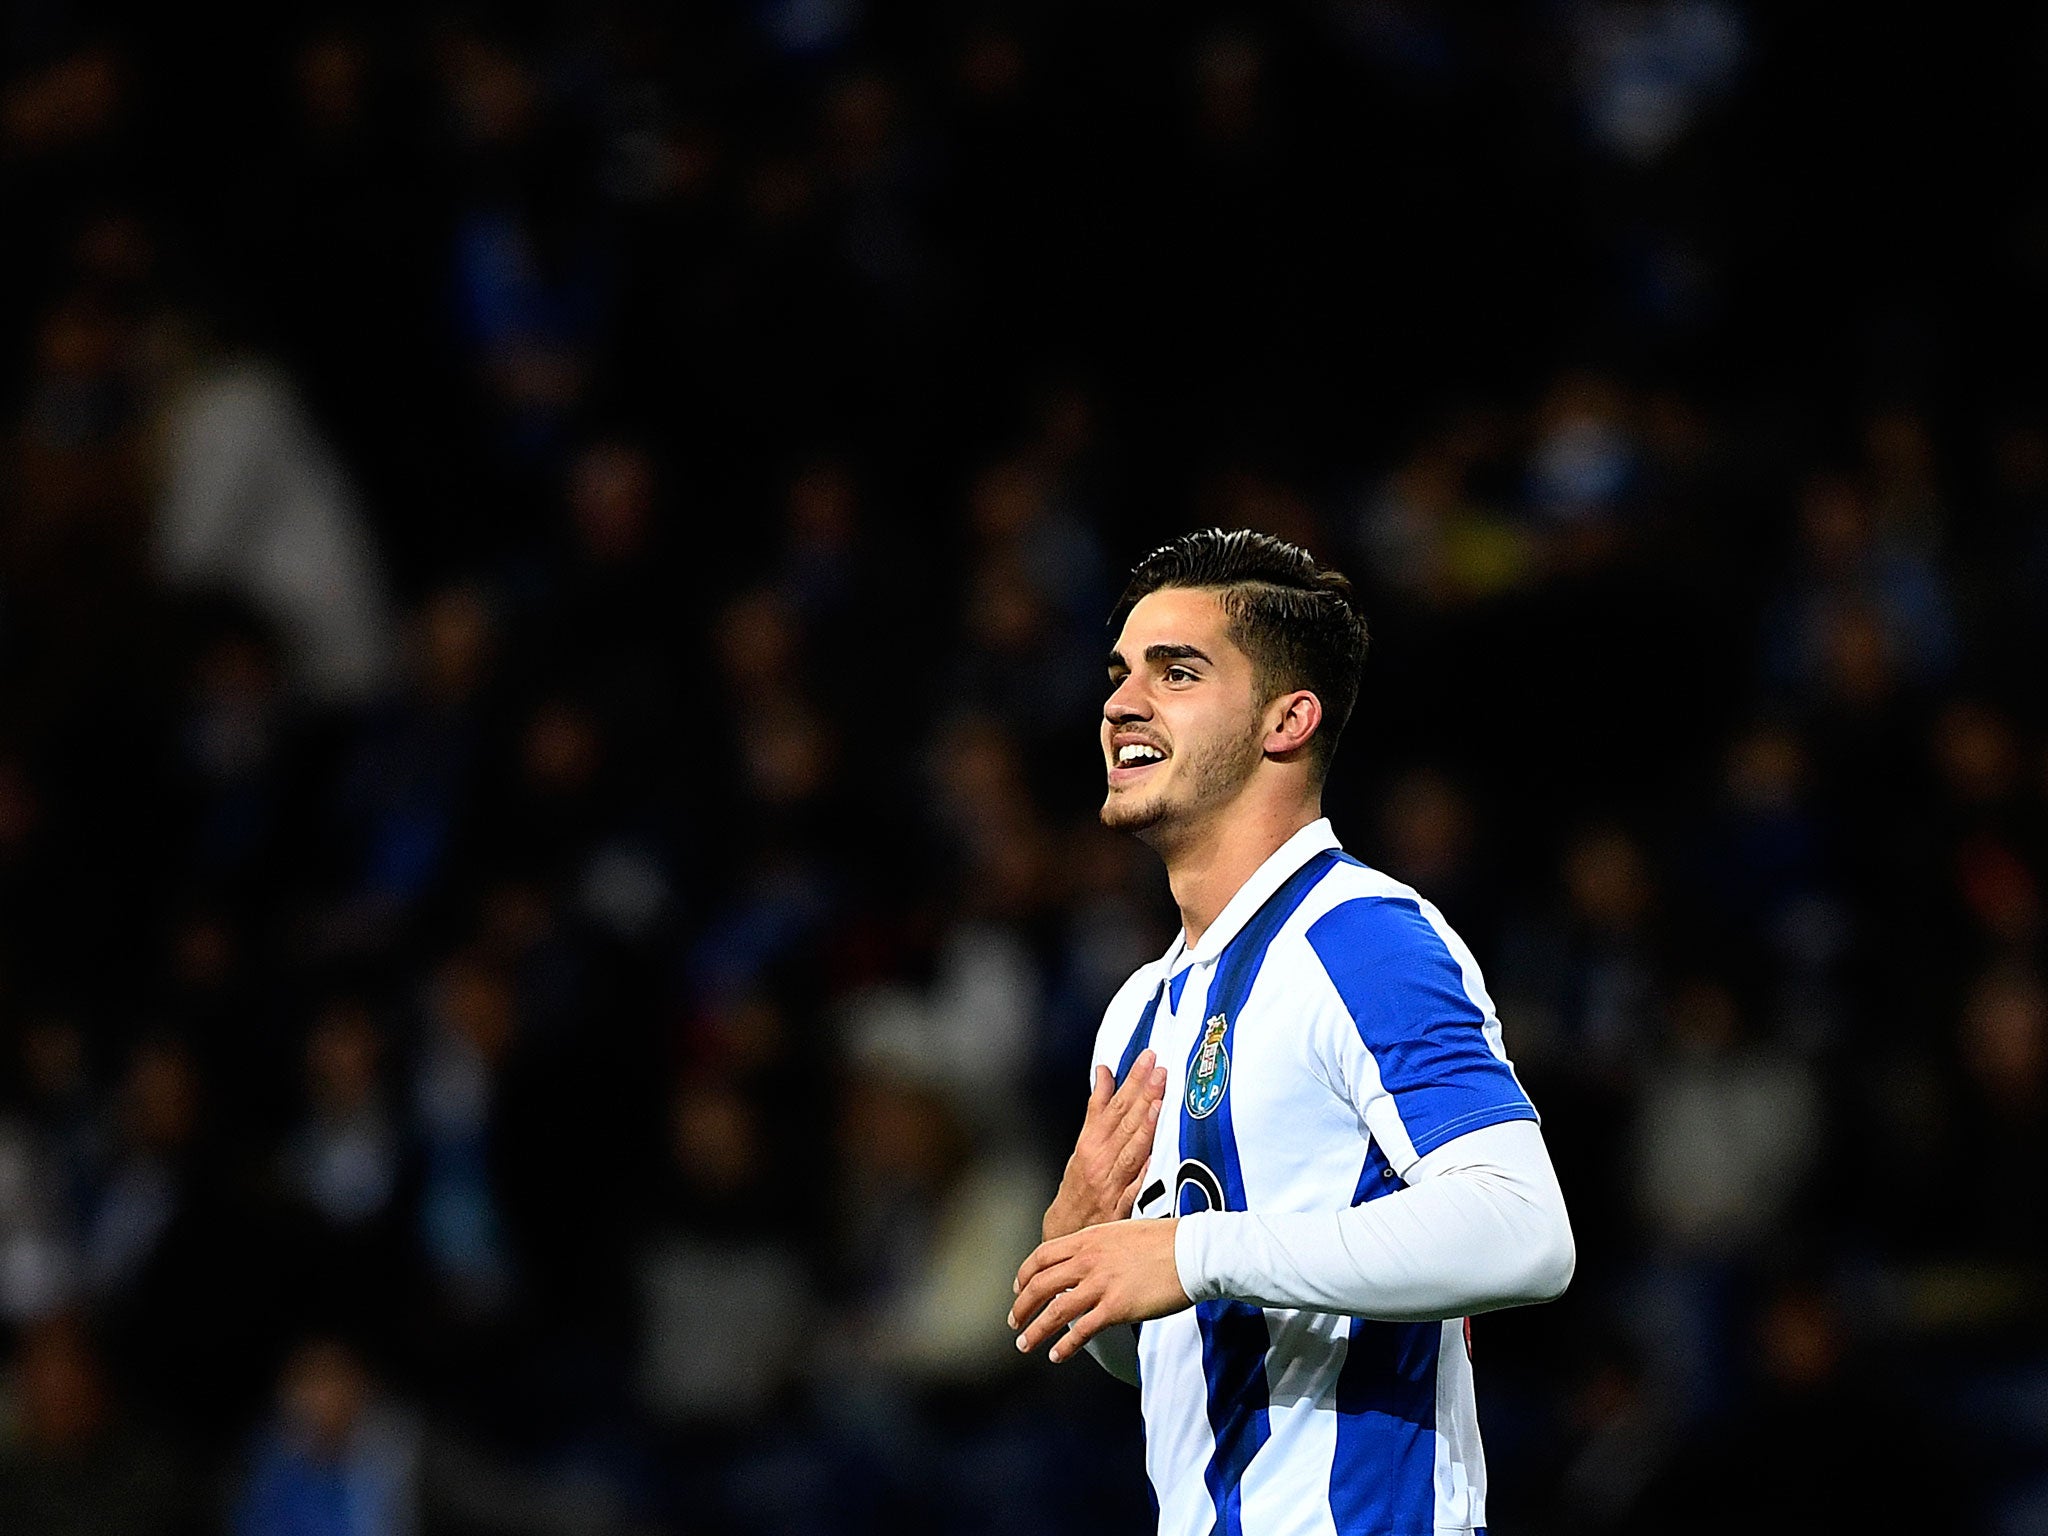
1211 1074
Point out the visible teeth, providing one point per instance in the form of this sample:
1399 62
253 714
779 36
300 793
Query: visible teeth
1135 751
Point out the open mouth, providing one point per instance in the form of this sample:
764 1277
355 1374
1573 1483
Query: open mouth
1133 759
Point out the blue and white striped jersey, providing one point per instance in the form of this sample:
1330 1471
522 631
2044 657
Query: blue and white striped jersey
1328 1031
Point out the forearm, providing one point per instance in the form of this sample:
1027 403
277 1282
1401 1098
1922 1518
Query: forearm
1481 1226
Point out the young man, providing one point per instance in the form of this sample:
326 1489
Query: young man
1309 1086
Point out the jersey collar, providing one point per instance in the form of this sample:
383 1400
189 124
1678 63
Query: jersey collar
1311 840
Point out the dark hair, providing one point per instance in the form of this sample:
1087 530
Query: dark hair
1295 619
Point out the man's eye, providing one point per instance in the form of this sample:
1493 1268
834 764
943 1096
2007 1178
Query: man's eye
1179 675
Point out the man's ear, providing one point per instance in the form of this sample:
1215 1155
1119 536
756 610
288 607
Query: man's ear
1297 716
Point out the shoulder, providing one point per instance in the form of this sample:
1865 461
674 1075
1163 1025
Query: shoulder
1350 879
1358 909
1373 935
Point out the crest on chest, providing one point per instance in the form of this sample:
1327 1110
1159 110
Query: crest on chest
1210 1074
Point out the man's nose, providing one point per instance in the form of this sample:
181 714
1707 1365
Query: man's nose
1126 703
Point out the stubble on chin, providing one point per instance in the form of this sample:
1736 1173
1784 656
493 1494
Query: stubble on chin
1122 813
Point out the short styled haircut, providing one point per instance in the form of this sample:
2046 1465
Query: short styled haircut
1295 619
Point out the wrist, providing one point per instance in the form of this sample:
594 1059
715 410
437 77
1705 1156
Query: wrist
1070 1212
1059 1221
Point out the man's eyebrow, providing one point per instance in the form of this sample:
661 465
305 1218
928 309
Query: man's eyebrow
1161 653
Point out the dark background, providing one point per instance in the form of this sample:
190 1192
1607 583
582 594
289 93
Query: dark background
552 577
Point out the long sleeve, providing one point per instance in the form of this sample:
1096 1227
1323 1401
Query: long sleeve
1481 1225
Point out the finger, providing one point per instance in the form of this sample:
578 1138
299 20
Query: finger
1136 1125
1079 1332
1039 1290
1144 1074
1129 1198
1041 1293
1131 1149
1101 1090
1148 1078
1133 1145
1135 1082
1059 1310
1151 1092
1137 1119
1035 1264
1131 1160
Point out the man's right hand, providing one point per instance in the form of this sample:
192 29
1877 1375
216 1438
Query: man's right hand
1108 1166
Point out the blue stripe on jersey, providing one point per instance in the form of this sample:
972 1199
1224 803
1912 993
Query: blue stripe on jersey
1406 994
1180 985
1234 1337
1140 1038
1383 1474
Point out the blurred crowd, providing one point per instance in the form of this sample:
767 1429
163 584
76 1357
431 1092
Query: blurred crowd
553 567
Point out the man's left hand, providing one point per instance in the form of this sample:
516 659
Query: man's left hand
1118 1272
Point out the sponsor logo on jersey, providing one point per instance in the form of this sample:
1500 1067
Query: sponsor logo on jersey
1212 1069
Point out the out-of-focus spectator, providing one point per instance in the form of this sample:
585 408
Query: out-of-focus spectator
337 1458
1861 587
1727 1133
471 1016
256 503
1427 829
71 1465
1425 532
726 1301
40 1268
530 260
1999 1117
148 1179
1647 72
406 793
1596 964
1583 464
932 1211
343 1161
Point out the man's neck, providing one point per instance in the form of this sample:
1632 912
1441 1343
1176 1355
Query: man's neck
1212 865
